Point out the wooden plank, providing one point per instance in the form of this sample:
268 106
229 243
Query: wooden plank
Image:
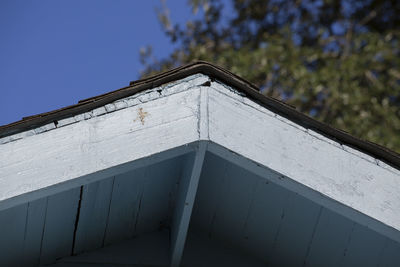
159 193
12 233
34 232
209 193
142 200
364 248
330 240
125 205
95 206
150 249
295 232
349 183
188 184
59 226
237 199
265 219
391 254
50 162
201 251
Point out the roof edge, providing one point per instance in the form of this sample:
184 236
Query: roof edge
379 152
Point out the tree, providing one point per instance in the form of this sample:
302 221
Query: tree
337 61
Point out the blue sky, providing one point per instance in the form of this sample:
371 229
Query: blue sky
54 53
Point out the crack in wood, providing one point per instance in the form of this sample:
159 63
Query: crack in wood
78 212
44 227
312 236
108 214
138 212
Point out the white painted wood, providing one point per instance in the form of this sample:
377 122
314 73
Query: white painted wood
122 138
188 184
203 110
59 226
341 179
93 216
12 227
59 156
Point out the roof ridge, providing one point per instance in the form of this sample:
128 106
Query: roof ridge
215 72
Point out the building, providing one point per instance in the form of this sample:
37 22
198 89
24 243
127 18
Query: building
193 167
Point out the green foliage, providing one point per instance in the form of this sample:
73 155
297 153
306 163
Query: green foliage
337 61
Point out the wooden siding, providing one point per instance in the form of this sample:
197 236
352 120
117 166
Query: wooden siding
251 214
118 186
338 177
90 217
239 218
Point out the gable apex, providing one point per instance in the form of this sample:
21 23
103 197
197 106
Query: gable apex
214 73
200 125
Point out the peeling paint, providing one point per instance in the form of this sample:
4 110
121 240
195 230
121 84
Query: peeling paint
164 90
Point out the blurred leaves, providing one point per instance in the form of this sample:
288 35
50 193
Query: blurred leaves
337 61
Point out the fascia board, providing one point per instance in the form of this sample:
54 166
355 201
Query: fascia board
317 168
100 144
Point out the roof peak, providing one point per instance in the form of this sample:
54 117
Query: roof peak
215 73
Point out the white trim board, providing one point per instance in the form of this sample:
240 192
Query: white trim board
253 132
59 156
185 113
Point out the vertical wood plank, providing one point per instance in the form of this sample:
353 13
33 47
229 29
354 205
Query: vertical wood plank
159 192
188 184
365 248
209 194
265 218
59 225
233 210
95 205
391 254
34 232
12 231
296 232
125 205
330 240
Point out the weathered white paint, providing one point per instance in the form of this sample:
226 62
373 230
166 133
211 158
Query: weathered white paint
308 165
89 146
203 116
110 140
141 97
